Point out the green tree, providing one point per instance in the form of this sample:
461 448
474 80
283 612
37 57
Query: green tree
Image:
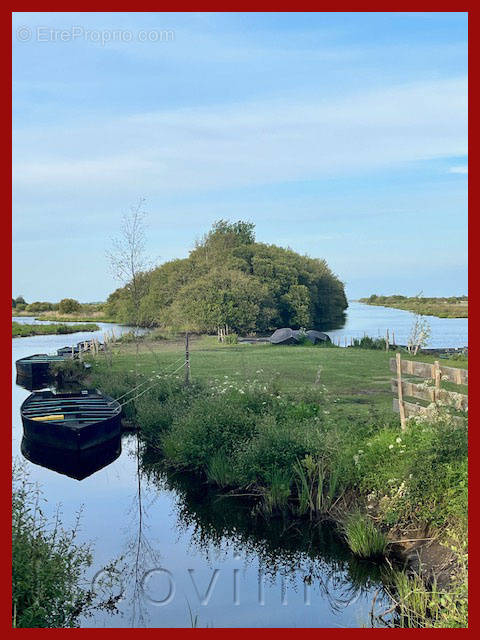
69 305
228 278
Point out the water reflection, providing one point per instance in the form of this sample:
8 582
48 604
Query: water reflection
305 556
75 464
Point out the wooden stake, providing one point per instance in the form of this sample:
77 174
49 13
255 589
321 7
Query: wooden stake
400 391
187 360
437 378
387 342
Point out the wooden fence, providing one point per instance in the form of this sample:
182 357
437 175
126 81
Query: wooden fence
432 394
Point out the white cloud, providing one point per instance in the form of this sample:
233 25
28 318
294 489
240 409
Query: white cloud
246 143
462 170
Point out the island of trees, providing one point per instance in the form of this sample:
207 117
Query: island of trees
453 307
231 280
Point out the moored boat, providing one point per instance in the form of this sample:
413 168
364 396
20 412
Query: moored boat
73 421
36 369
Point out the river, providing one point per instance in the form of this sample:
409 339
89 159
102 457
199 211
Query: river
190 557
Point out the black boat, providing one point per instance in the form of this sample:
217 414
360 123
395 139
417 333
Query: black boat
33 371
74 421
68 351
78 464
294 336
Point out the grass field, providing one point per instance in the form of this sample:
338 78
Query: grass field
359 377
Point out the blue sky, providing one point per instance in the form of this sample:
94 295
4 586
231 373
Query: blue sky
341 135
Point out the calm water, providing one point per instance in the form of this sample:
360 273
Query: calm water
374 321
184 548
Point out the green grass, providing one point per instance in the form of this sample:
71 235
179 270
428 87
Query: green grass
24 330
363 537
353 377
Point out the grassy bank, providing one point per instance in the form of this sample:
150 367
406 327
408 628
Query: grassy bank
20 330
56 316
454 307
304 430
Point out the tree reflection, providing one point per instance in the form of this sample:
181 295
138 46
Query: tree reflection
217 524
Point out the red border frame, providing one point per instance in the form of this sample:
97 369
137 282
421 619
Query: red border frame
6 257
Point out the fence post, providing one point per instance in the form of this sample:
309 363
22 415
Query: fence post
400 391
187 360
437 380
387 341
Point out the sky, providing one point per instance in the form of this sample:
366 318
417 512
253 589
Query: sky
340 135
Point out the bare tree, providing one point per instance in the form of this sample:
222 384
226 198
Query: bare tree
128 260
419 334
127 255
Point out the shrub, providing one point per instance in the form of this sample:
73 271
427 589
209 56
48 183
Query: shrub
370 343
213 424
69 305
38 307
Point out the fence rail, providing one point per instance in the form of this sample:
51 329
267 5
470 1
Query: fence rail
426 370
432 394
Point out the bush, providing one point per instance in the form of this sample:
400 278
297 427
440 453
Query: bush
213 424
69 305
370 343
38 307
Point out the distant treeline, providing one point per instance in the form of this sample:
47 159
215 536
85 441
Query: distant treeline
231 280
67 306
452 307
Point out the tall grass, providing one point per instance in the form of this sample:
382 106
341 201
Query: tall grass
363 537
317 485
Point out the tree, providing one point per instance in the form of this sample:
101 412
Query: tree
14 304
128 264
298 302
204 291
69 305
419 334
20 300
127 255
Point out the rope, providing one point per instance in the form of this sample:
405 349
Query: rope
144 382
151 387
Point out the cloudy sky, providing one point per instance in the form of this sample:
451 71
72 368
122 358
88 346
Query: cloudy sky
343 136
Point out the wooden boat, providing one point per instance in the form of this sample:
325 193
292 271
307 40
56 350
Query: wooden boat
68 351
35 370
73 421
77 464
294 336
